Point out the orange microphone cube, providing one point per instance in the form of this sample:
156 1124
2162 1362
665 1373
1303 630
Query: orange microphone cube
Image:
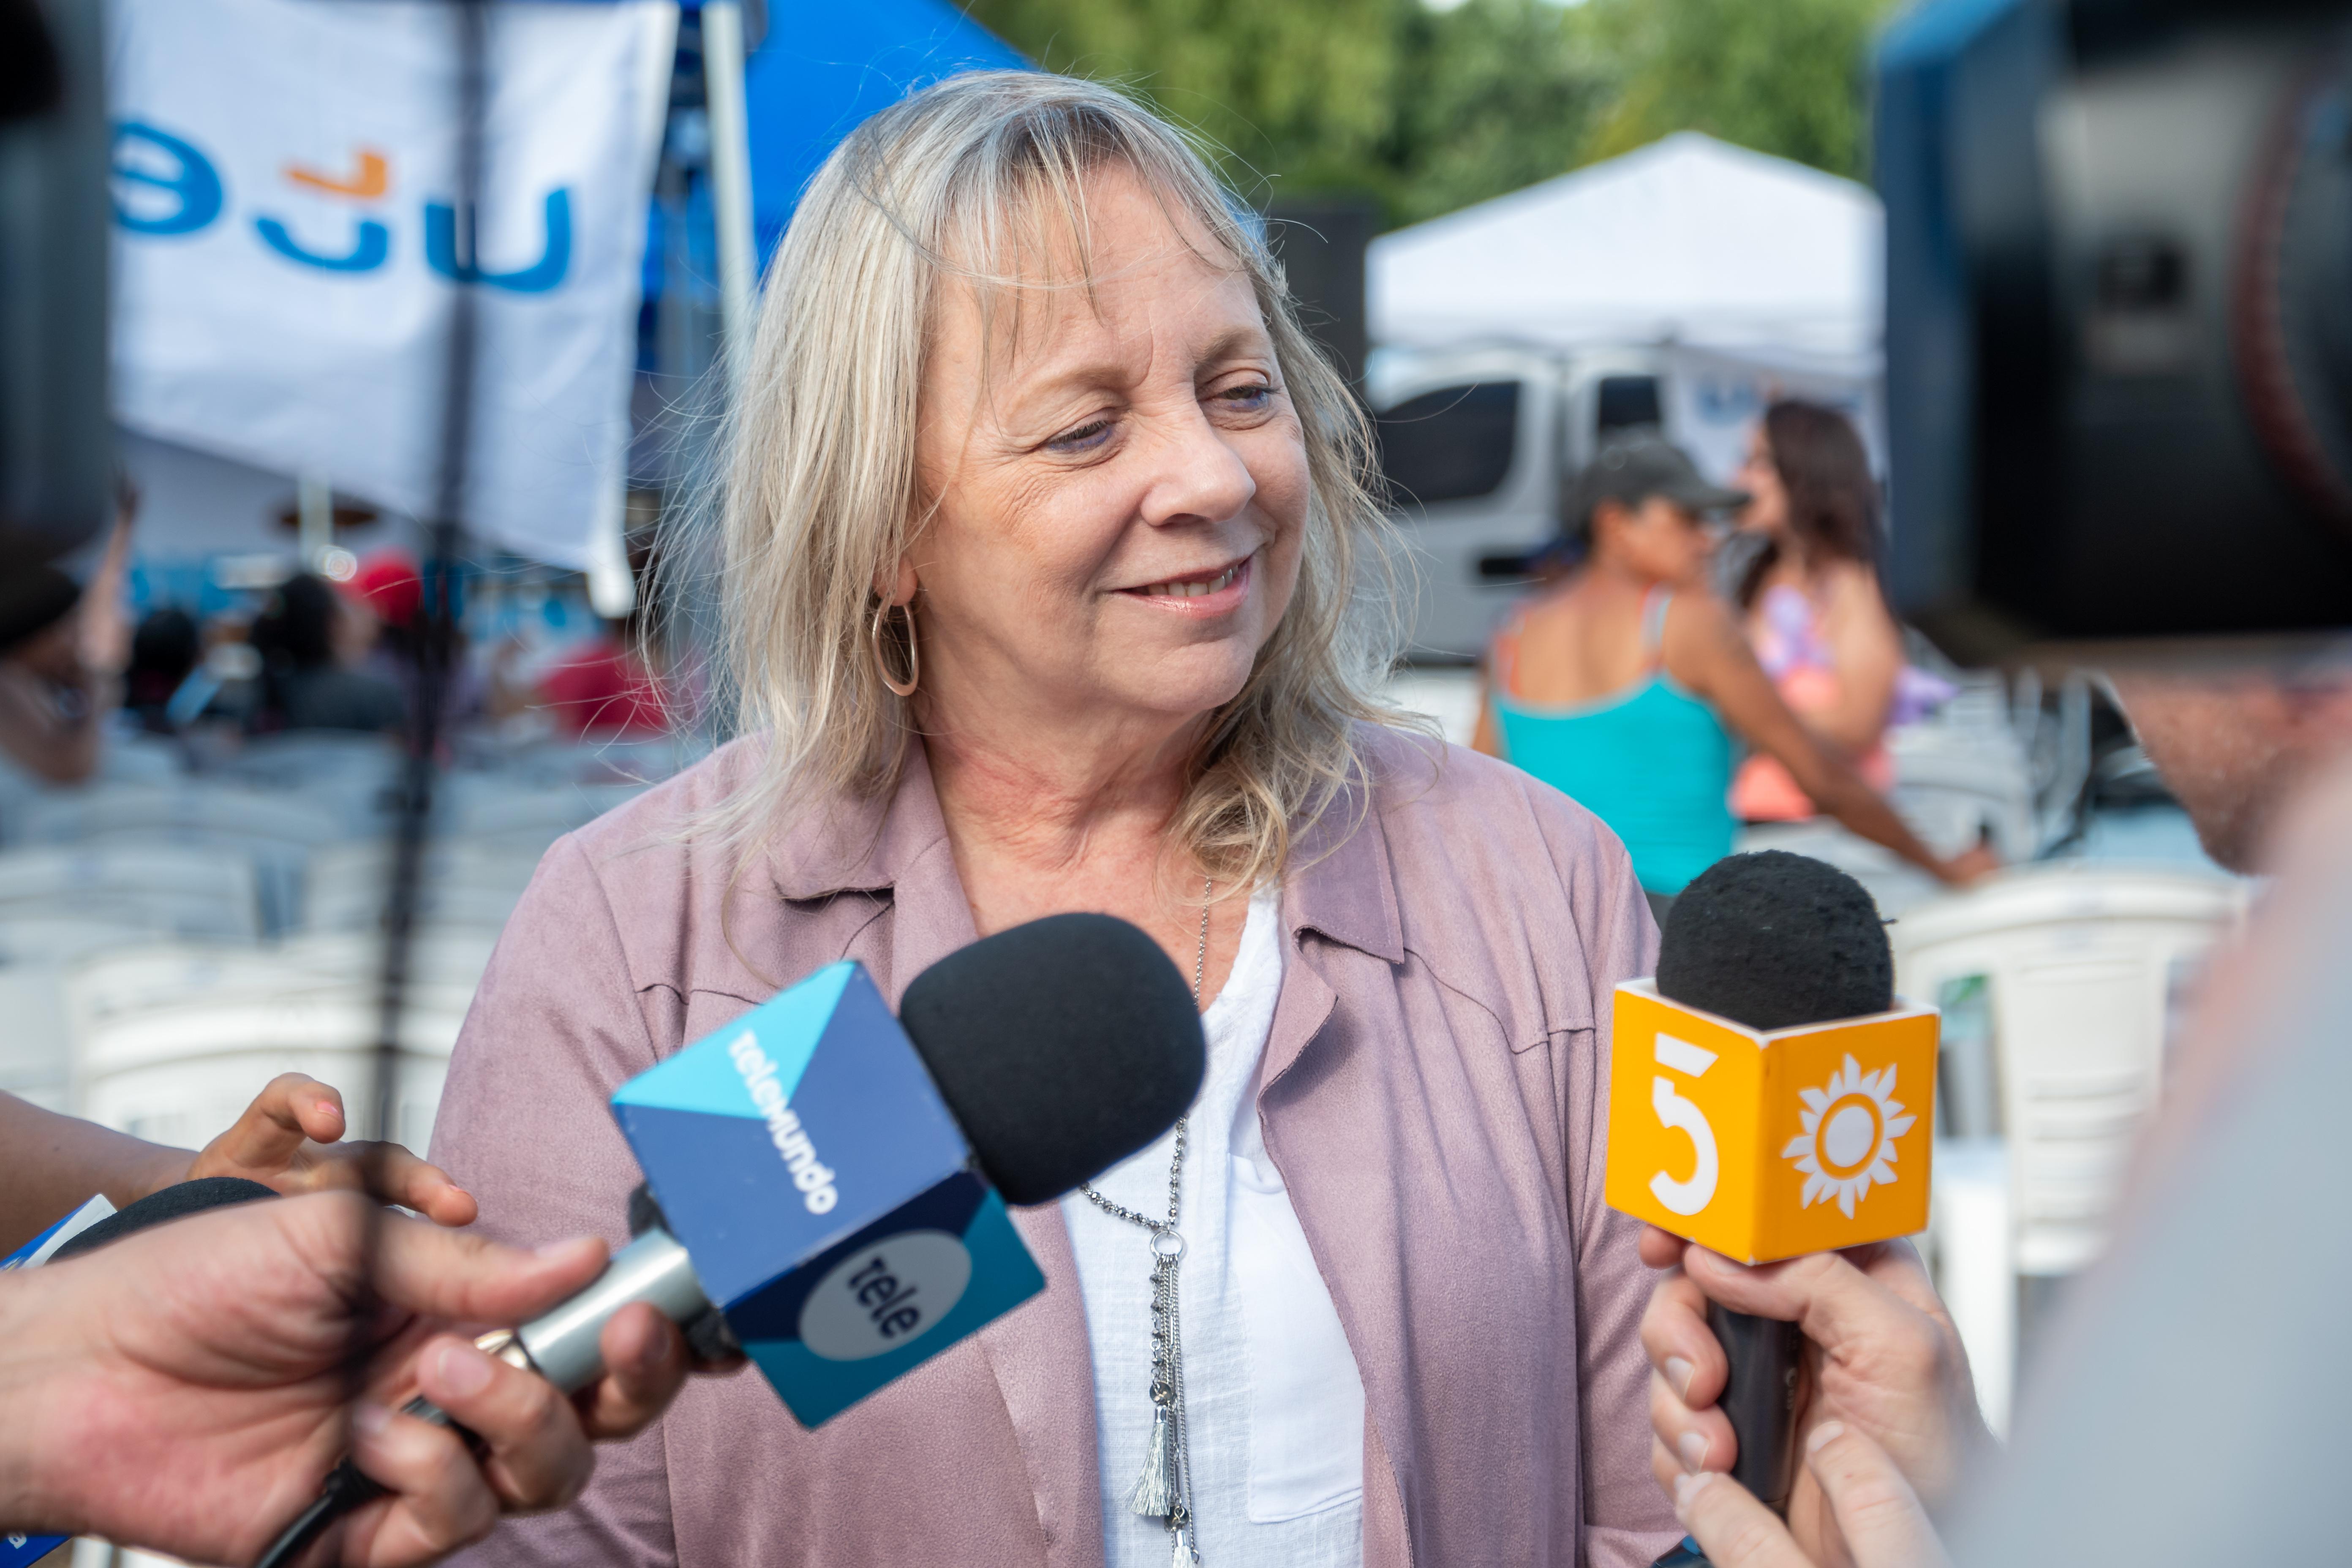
1767 1144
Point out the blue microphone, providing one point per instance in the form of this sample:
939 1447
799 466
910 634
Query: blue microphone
828 1183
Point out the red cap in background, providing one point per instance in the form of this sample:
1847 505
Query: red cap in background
388 583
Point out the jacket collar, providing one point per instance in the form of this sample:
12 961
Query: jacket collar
1340 885
862 844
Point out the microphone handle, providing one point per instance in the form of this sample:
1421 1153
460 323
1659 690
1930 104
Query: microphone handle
1759 1400
561 1345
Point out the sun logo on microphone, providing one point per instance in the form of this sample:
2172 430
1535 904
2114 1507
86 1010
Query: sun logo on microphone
1850 1127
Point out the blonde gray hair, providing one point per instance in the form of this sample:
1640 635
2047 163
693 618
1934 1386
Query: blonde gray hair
822 496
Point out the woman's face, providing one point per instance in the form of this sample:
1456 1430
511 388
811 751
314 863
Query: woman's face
1119 484
1658 542
1767 511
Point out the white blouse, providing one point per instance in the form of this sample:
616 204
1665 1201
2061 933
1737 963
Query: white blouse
1273 1399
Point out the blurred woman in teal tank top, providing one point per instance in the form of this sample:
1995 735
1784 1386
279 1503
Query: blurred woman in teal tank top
1630 688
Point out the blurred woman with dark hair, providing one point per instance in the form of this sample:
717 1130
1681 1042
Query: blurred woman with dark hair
165 650
311 644
1819 625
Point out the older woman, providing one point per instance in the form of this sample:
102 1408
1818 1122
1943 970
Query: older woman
1048 554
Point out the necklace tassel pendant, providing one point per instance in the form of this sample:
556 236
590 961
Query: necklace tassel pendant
1155 1490
1186 1553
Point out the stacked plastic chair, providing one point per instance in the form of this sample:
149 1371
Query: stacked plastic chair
2083 965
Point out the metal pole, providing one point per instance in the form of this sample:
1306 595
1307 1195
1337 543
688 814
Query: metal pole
314 512
730 179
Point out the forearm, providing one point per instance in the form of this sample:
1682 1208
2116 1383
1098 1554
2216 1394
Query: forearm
53 1164
1841 791
1848 729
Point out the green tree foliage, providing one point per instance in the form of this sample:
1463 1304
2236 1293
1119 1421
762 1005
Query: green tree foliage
1303 90
1493 95
1430 110
1779 75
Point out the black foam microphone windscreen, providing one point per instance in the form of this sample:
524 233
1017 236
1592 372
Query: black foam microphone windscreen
1773 940
1061 1047
162 1206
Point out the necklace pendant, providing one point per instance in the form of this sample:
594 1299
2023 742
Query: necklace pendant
1154 1496
1186 1552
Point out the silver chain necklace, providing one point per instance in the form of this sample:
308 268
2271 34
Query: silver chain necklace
1164 1489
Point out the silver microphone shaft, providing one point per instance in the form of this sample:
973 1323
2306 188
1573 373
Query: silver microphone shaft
562 1344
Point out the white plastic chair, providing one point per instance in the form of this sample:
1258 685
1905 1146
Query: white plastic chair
441 954
466 881
2085 963
192 891
277 831
491 805
307 759
36 953
35 1045
1959 782
187 807
55 939
181 1073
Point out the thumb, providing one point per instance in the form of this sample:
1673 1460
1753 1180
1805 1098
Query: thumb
464 1278
1876 1509
1731 1526
1835 1302
292 1107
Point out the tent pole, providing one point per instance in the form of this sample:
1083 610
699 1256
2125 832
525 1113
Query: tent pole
730 178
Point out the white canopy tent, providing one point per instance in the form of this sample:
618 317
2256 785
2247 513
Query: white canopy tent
1687 242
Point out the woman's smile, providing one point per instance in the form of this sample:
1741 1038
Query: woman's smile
1214 591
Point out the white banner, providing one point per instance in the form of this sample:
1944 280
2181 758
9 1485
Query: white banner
288 250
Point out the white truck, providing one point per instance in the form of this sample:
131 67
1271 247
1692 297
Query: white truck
1477 443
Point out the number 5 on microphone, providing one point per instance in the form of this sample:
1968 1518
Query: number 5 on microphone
1690 1196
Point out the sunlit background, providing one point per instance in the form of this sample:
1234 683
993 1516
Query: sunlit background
1520 225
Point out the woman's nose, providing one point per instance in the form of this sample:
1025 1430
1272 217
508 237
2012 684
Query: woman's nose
1198 473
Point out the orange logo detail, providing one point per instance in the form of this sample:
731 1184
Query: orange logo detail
372 179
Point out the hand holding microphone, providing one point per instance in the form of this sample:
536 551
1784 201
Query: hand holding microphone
1771 1100
180 1388
1883 1360
1879 1519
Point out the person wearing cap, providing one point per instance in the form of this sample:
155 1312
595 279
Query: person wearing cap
1628 686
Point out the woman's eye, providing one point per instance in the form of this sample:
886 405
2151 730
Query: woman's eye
1248 399
1086 437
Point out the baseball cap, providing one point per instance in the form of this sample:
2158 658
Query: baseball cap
389 582
1632 469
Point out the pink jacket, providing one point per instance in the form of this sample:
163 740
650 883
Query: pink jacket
1433 1094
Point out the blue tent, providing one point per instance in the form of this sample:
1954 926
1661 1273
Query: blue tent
822 68
825 66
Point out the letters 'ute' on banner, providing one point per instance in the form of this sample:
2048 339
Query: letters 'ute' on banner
289 245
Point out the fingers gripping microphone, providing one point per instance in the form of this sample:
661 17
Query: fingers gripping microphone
1771 1061
826 1185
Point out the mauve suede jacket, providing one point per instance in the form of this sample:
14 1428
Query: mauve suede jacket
1434 1093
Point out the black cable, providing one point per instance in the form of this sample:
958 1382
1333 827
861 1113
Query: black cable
346 1487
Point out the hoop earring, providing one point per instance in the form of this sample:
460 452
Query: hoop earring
914 653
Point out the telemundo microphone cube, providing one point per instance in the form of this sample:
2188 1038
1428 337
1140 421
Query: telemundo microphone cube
830 1205
1765 1144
